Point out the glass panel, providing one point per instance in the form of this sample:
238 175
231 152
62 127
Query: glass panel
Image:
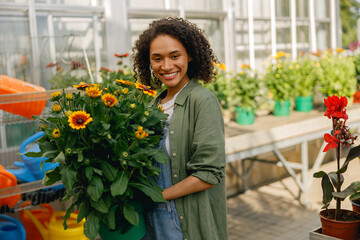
153 4
13 1
322 9
66 2
261 9
282 8
303 38
15 47
66 48
323 35
302 8
203 5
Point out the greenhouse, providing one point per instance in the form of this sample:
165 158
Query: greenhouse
242 112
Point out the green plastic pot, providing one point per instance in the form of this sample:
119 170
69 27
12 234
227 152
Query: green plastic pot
244 117
133 233
304 104
282 109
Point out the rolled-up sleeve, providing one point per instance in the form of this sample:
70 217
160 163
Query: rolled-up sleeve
207 160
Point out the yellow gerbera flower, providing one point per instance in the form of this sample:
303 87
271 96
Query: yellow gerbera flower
244 65
93 91
79 119
140 133
56 133
124 82
279 55
56 108
82 85
109 99
125 91
146 89
68 96
55 95
339 50
68 113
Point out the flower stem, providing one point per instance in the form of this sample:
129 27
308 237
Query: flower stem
338 183
82 137
131 146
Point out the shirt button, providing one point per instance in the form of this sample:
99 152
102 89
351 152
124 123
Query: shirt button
181 217
171 132
174 154
175 175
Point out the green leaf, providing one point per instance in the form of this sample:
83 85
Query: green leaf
108 170
80 157
350 190
109 219
160 157
154 192
131 214
95 189
333 178
319 174
51 176
83 211
120 184
355 196
353 153
327 188
91 226
106 126
60 158
89 172
32 154
68 177
101 205
98 171
44 155
68 212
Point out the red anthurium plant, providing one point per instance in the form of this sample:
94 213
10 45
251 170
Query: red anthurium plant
340 136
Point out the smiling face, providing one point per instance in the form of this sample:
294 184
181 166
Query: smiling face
169 61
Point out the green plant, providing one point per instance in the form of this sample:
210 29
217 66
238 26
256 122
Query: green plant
340 135
244 89
306 76
338 75
220 87
280 78
105 139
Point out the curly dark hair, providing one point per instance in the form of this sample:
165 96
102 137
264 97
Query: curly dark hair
201 66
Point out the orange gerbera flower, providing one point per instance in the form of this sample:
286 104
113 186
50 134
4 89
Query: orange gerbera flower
93 91
109 99
244 65
79 119
82 85
140 133
124 82
146 89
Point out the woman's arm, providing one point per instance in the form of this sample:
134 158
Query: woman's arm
185 187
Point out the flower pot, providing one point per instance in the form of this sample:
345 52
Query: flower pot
304 104
134 232
282 109
348 230
244 117
356 205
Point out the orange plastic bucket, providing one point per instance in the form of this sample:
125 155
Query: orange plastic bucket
7 179
42 214
26 108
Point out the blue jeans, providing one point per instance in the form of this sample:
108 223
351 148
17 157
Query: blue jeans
162 221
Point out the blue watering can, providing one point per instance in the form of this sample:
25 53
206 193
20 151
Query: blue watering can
29 170
11 229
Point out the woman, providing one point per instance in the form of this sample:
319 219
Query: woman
174 52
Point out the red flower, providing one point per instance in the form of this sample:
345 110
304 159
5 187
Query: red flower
52 64
335 107
105 69
331 140
121 55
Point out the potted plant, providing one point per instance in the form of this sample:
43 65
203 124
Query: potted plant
306 74
338 222
220 89
105 139
280 80
338 75
244 89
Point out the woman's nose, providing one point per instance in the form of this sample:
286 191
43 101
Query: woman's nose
167 64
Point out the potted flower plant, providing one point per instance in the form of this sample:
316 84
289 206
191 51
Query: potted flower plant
244 89
338 222
105 139
280 80
306 73
338 75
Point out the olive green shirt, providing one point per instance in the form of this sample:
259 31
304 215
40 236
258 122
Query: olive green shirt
197 147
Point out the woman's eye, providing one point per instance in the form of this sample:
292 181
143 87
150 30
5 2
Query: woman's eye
175 56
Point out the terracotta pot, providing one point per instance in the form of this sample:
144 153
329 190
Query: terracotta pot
339 229
356 206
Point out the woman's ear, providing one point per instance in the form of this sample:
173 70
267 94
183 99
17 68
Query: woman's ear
189 59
